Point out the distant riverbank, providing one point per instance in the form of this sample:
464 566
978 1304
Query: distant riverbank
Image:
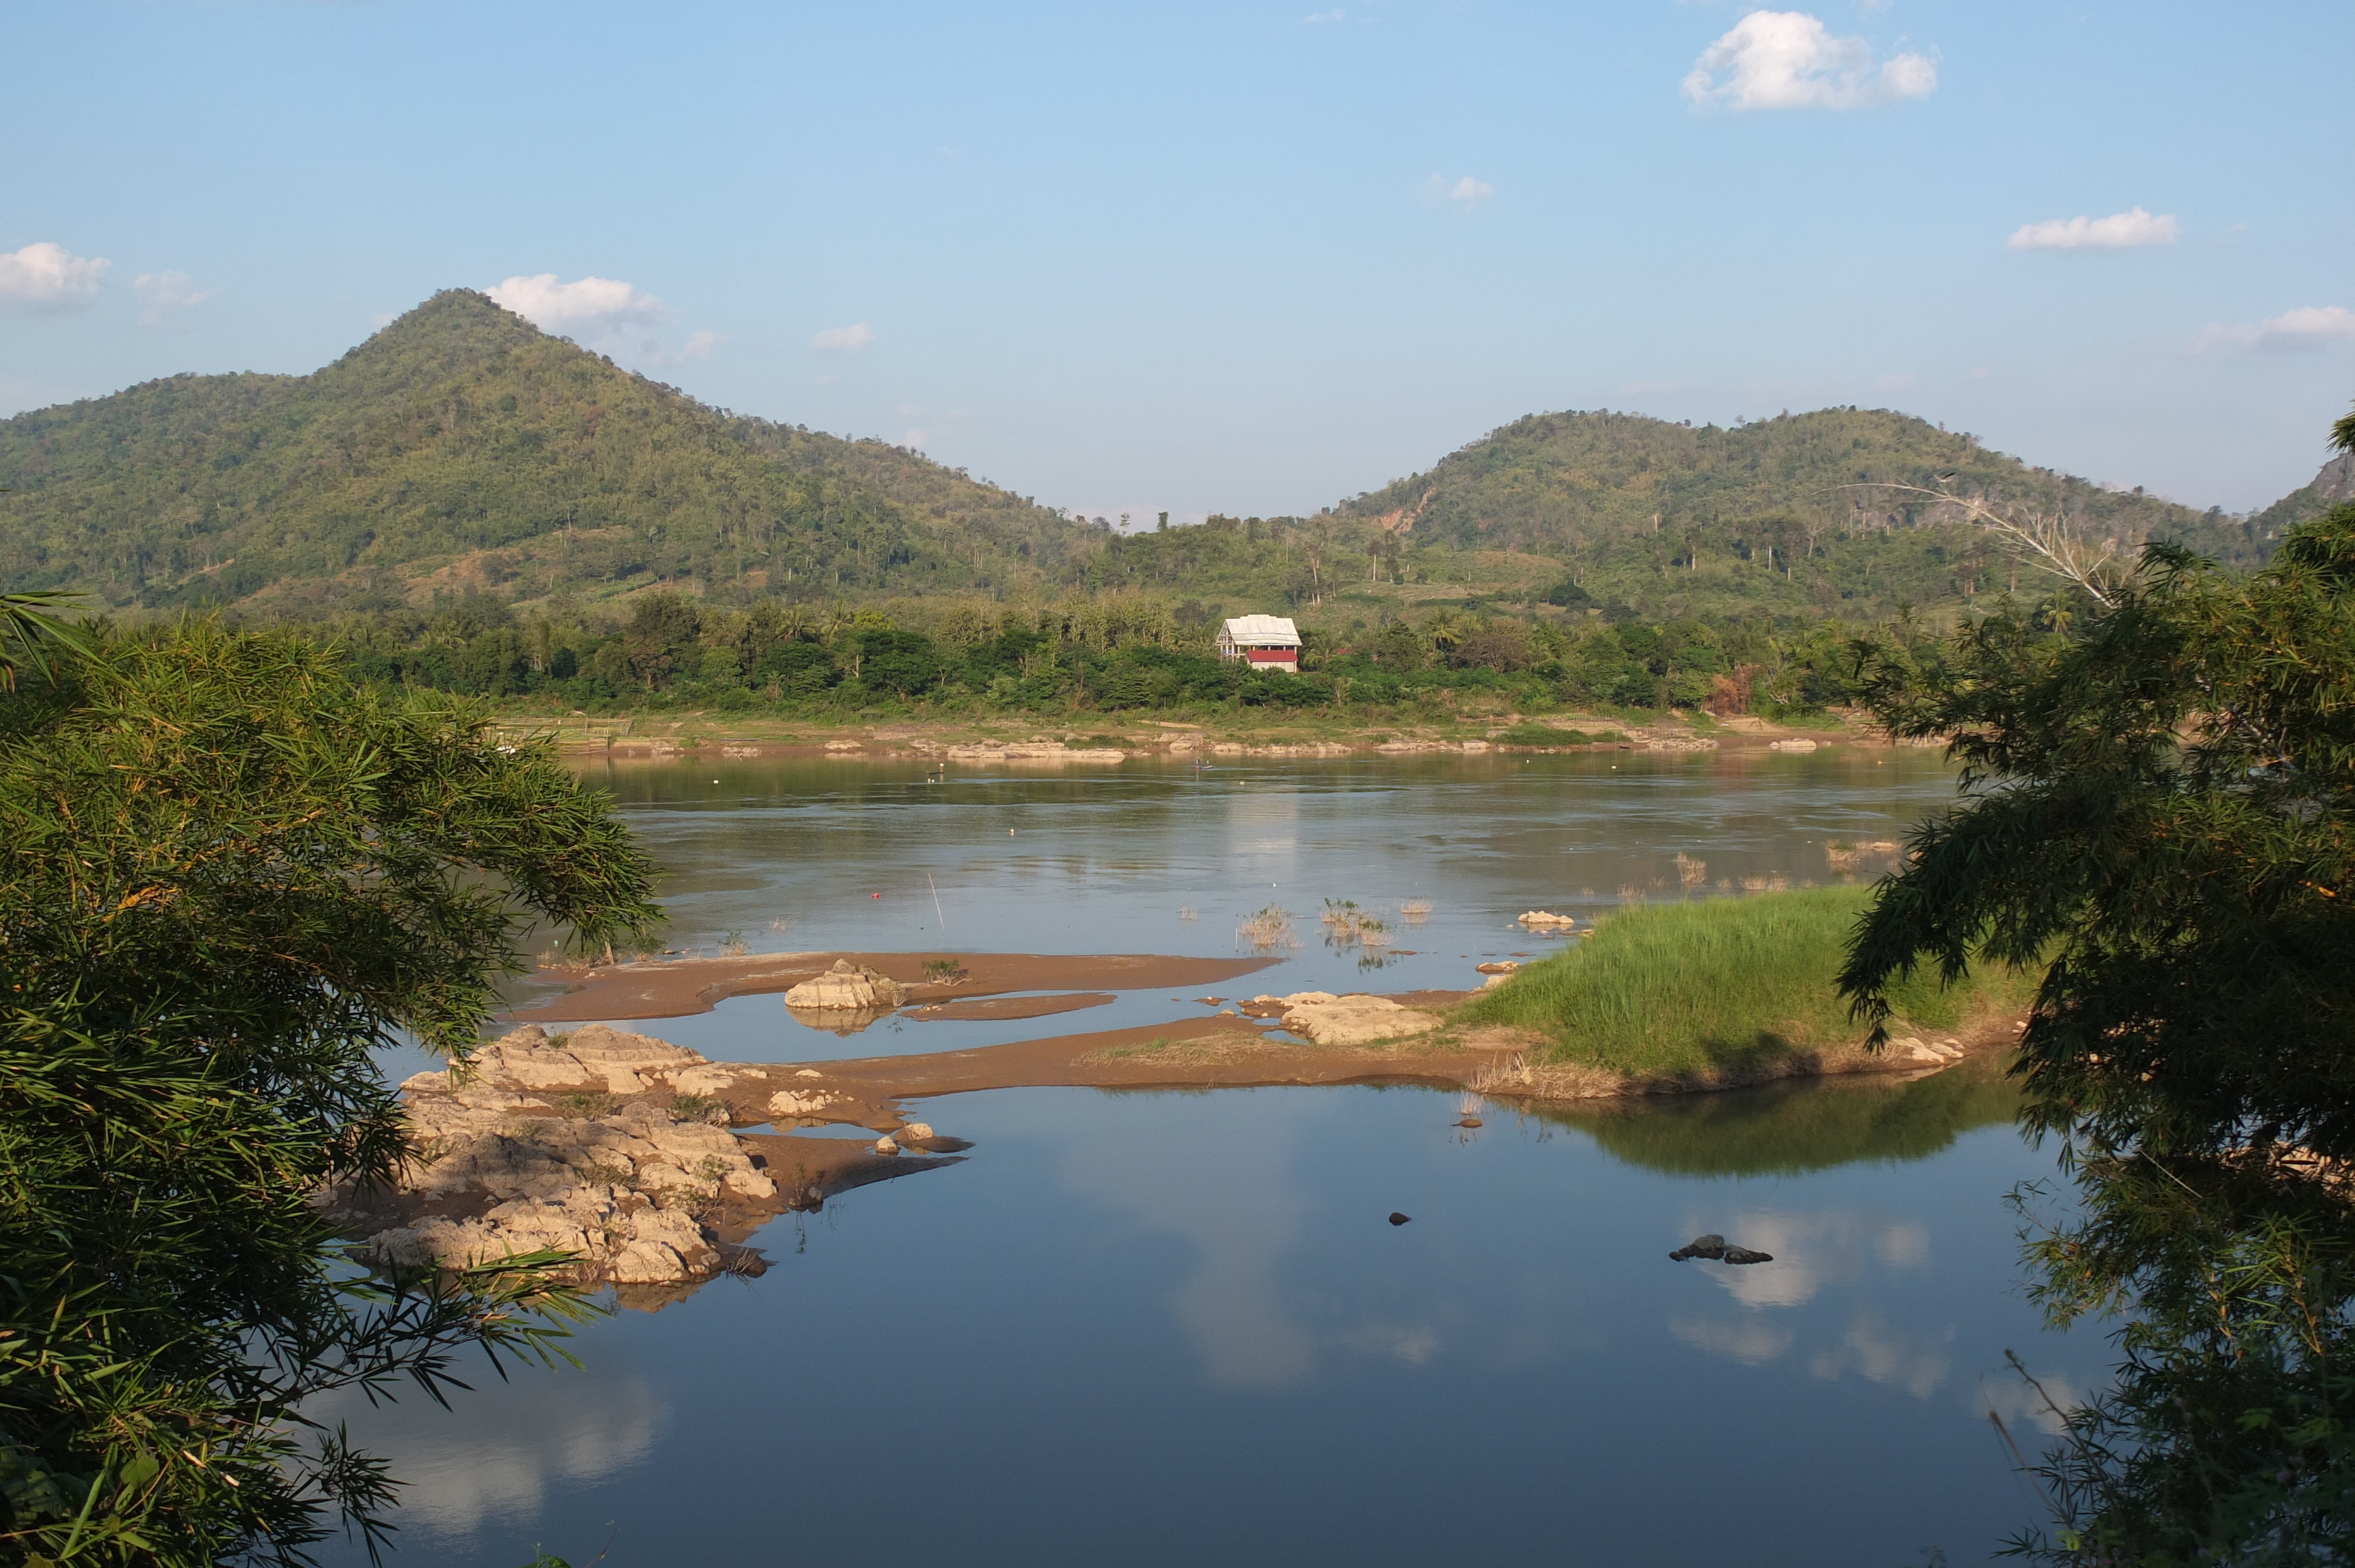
1100 738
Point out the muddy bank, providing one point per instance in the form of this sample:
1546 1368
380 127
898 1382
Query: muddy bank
995 1009
675 988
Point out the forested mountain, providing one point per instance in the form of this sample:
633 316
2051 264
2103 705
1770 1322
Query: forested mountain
1793 510
460 448
2333 483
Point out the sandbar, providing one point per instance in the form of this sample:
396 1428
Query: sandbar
681 986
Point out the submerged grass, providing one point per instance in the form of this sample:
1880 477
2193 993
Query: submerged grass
1701 987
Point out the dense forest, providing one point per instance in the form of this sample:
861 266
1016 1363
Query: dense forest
1085 652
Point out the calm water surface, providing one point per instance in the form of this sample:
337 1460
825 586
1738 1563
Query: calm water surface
1176 1328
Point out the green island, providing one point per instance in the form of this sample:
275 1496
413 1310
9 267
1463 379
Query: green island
1727 987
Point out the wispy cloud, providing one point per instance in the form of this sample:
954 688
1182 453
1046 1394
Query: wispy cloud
843 339
2119 232
700 344
607 314
1468 194
1313 17
584 304
43 275
162 294
1788 59
2308 326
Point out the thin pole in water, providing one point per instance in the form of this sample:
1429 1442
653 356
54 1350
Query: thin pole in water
936 901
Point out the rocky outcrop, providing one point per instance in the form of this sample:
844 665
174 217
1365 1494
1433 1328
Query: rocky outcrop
622 1192
609 1146
847 988
1354 1020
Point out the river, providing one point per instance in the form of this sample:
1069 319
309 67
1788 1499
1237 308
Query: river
1178 1328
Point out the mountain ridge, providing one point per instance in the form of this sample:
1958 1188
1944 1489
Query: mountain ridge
461 431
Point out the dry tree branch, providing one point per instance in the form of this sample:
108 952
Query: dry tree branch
2050 542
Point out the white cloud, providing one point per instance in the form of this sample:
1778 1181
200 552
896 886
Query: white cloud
1313 18
44 276
1788 59
1751 1343
2308 326
1917 1364
161 293
1470 192
2119 232
701 344
585 303
843 339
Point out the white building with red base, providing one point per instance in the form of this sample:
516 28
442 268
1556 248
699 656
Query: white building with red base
1262 641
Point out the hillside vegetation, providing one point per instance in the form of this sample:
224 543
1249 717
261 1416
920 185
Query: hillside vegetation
459 448
1798 513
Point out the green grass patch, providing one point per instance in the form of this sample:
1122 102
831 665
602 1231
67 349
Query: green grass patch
1543 734
1690 988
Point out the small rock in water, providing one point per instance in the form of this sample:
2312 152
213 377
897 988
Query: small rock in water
1399 1219
1469 1121
917 1130
1743 1255
887 1145
1710 1246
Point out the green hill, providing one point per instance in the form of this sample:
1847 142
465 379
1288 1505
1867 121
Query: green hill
1798 513
463 449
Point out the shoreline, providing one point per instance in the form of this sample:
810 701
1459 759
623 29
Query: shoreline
1048 740
655 1166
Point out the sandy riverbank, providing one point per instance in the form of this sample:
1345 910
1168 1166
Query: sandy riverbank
1040 741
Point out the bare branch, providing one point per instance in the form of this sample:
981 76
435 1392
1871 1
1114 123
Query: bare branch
2048 542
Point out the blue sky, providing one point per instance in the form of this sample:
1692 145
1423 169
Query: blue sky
1227 255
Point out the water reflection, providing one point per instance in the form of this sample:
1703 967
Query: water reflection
1787 1129
1240 1214
496 1454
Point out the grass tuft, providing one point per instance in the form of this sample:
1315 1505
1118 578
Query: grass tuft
1695 987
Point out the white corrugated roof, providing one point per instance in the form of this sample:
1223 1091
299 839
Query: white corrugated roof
1263 630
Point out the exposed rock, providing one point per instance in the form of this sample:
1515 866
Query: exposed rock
1743 1255
1709 1247
787 1103
847 988
1353 1020
887 1144
809 1073
1546 919
1501 967
1795 744
916 1130
1034 751
1469 1121
1399 1219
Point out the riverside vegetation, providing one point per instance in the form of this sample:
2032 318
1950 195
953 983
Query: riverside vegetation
231 875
